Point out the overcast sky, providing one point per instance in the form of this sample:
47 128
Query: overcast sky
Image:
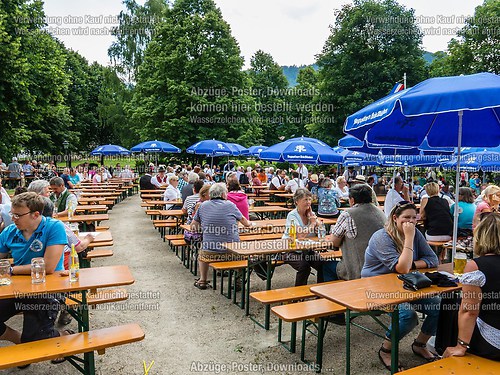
292 31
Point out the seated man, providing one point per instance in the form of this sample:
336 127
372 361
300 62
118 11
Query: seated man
398 193
31 236
294 183
352 232
61 197
279 181
160 180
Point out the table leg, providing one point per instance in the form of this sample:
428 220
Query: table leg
395 340
348 342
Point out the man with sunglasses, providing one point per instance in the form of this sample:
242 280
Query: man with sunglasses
31 236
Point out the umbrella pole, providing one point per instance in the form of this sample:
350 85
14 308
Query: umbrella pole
457 182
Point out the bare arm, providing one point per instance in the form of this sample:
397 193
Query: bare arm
423 203
52 256
467 315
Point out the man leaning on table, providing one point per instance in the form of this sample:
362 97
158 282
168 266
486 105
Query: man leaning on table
31 236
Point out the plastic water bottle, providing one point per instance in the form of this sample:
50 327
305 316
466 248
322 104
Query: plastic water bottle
293 235
321 231
74 269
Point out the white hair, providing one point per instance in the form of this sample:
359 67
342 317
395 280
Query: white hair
193 177
217 190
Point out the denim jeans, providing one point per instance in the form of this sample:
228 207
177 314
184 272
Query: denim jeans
408 317
330 270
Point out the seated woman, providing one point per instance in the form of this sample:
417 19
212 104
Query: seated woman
466 210
342 189
306 223
400 248
490 201
255 181
478 317
238 197
328 202
435 212
217 219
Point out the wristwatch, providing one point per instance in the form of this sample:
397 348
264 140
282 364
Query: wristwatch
11 271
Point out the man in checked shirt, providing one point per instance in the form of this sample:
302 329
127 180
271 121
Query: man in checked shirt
352 232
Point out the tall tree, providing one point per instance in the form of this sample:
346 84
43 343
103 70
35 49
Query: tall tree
269 86
17 19
372 44
135 30
477 49
190 85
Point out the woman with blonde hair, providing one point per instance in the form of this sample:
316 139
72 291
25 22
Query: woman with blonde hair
399 248
490 201
342 189
478 317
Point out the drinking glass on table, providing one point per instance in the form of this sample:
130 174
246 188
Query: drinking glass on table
5 272
37 270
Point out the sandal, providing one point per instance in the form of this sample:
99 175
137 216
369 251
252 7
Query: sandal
56 361
387 366
202 284
423 345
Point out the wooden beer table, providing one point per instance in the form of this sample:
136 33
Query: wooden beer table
371 296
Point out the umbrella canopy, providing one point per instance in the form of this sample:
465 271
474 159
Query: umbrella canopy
302 151
356 158
236 149
473 161
254 150
210 147
155 146
429 109
106 150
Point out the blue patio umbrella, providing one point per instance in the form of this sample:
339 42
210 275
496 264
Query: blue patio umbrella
430 110
301 151
254 150
356 158
155 146
106 150
210 147
448 111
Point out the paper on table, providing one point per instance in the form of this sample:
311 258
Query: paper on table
93 234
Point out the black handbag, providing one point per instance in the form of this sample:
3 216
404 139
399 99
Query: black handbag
415 280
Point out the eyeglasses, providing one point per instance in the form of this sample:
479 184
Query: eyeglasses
17 216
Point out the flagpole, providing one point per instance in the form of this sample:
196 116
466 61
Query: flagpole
404 81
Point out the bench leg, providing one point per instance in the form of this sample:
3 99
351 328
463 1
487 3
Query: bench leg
293 336
320 334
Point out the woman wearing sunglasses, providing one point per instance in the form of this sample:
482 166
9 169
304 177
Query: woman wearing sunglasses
400 248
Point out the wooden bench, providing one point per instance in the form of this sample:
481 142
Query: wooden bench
282 295
163 224
284 204
466 365
308 312
70 345
232 267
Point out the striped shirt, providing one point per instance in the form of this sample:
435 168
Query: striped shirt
189 205
345 226
219 223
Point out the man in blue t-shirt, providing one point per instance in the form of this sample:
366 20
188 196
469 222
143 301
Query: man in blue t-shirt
31 236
